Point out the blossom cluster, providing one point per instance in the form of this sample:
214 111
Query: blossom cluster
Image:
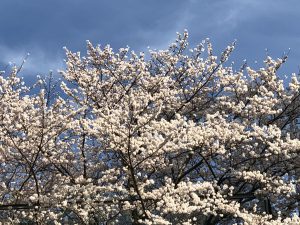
175 136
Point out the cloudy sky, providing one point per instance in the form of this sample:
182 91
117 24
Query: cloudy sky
43 28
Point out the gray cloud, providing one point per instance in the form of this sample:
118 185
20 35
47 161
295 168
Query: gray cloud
44 27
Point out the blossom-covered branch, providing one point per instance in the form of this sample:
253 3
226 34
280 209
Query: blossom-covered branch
175 136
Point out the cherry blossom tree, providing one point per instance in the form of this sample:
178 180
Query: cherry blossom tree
176 136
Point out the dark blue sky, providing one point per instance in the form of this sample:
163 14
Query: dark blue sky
42 28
